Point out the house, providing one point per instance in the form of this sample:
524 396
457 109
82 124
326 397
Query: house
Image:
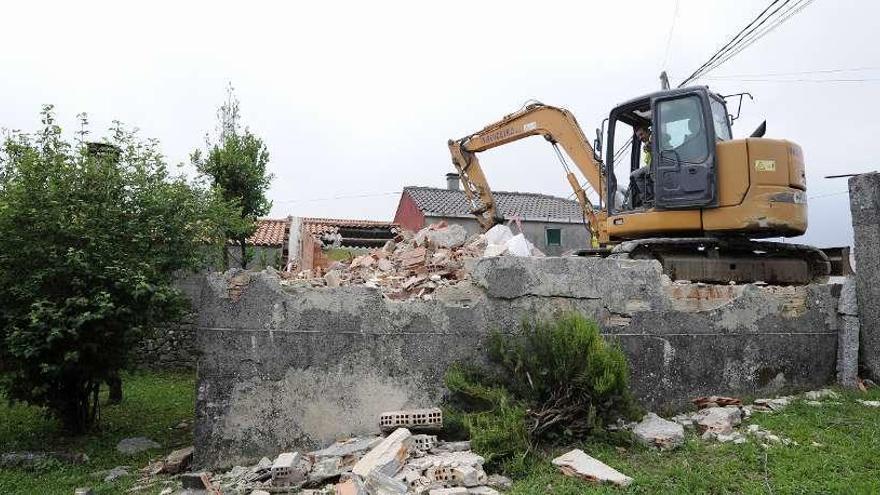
554 225
317 242
268 244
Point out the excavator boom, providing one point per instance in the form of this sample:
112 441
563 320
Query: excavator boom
560 128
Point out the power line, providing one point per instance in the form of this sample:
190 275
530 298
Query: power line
797 73
799 80
752 38
730 43
669 38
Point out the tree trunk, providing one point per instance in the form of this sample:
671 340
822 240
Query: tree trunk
244 259
114 384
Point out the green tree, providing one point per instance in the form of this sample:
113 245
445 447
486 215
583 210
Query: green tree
91 235
236 165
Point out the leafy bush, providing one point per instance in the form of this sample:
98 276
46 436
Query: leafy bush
91 235
554 380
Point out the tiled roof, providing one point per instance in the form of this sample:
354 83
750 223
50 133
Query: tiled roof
270 232
350 233
323 225
439 202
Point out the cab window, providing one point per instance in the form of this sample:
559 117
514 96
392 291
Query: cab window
682 133
719 118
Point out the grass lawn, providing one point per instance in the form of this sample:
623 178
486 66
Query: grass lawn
848 460
154 404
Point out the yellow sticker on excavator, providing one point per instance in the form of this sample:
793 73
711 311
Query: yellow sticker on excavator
765 165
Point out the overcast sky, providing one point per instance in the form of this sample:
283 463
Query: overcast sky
356 100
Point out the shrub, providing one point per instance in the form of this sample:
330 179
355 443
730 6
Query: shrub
554 380
574 381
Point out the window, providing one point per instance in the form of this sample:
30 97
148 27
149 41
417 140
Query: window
682 135
719 117
554 237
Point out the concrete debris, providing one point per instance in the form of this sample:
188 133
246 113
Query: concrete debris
177 461
387 457
425 443
451 447
379 483
449 491
766 437
412 266
196 481
114 474
869 403
401 463
655 431
351 486
324 469
499 482
718 420
289 468
347 447
716 401
430 419
83 491
822 394
579 465
130 446
771 405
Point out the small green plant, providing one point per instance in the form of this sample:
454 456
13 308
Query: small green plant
574 381
553 381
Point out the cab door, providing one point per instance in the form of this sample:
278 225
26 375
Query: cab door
683 149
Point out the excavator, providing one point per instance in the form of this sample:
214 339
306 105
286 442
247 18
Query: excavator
693 198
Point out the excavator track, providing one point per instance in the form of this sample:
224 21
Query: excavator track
725 260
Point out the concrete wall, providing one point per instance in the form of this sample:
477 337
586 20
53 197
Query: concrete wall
574 235
284 367
864 201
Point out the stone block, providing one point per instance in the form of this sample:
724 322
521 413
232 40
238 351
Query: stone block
579 465
655 431
387 457
379 483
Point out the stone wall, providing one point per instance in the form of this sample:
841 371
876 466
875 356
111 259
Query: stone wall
173 347
293 368
864 201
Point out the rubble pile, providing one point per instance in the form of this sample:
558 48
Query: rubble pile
400 463
413 266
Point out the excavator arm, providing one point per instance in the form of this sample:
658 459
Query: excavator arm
560 128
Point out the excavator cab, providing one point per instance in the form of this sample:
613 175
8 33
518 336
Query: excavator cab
677 168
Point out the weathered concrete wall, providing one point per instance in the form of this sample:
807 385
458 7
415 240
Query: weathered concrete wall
864 203
294 368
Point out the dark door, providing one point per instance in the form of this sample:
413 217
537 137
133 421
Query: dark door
683 152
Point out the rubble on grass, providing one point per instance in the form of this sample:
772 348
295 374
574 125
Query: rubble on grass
818 395
413 266
716 401
772 405
400 463
869 403
655 431
579 465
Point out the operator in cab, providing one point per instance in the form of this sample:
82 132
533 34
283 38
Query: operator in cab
639 180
